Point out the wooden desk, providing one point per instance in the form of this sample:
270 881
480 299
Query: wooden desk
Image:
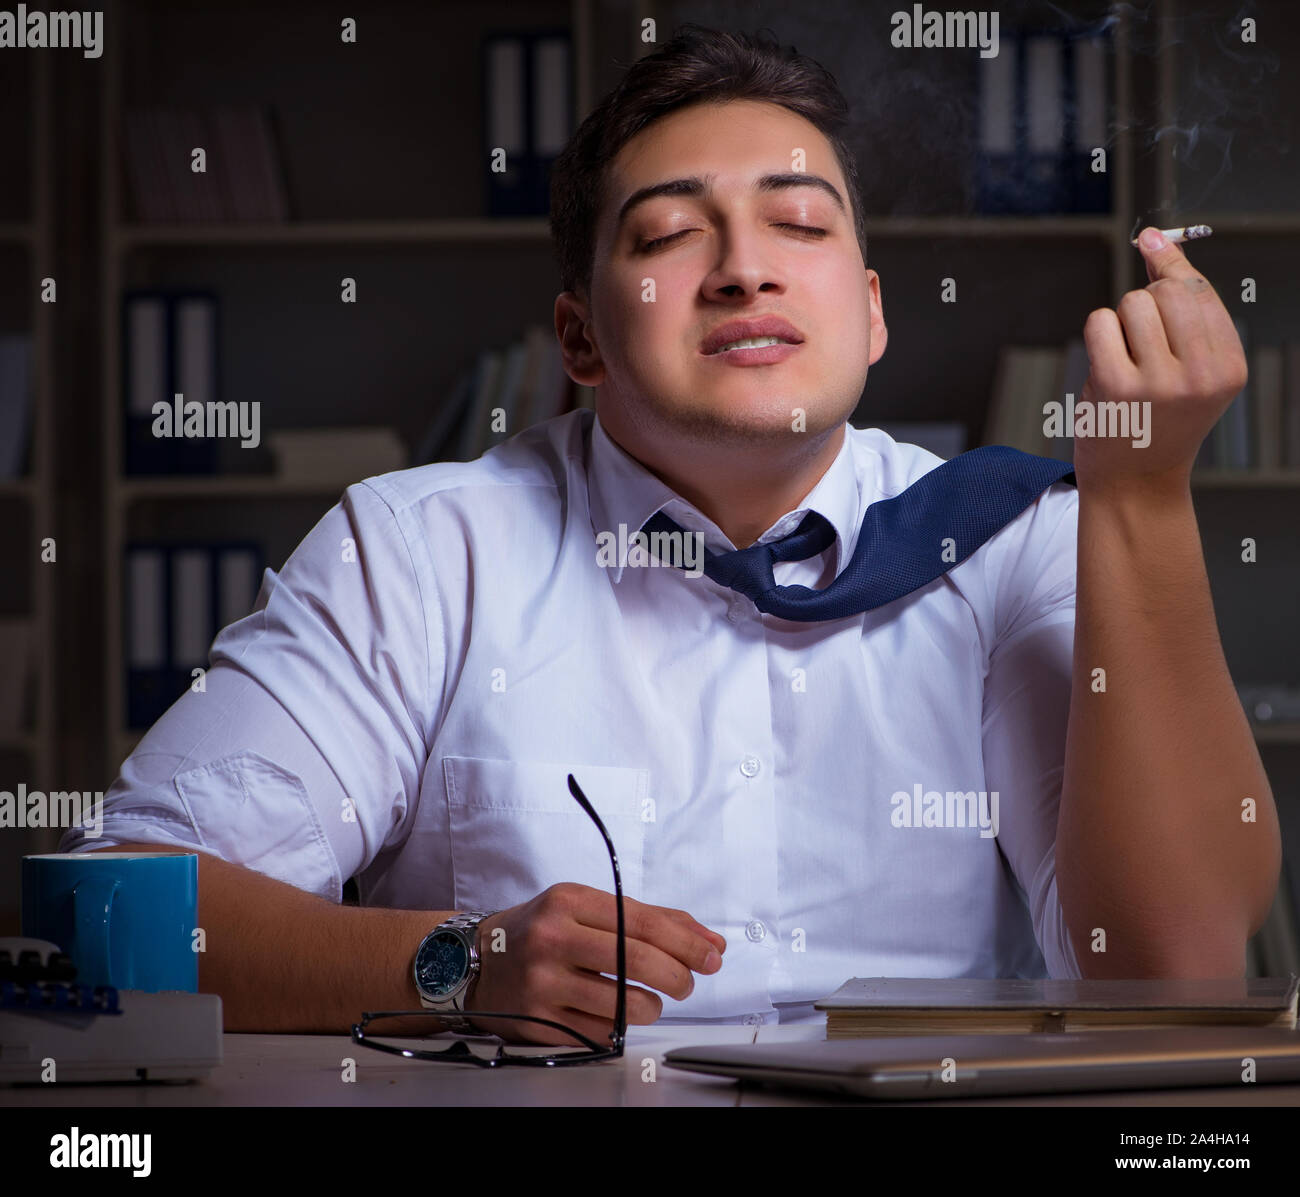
307 1070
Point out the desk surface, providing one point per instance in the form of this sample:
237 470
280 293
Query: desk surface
307 1070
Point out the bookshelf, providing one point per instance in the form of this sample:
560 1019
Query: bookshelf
136 253
27 504
451 241
352 232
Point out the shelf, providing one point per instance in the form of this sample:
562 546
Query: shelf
1264 224
1103 227
343 232
228 486
1276 733
1244 479
487 231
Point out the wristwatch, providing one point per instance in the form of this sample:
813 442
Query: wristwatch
447 964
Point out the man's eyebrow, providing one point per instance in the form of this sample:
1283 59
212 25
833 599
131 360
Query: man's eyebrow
802 179
695 186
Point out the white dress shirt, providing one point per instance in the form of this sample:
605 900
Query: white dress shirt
405 701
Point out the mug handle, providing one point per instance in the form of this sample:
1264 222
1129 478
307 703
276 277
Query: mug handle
92 903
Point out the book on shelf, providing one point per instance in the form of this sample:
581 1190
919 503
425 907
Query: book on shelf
446 425
501 420
527 117
504 392
336 456
541 350
15 402
1043 112
1027 378
243 177
1266 381
250 164
1260 429
487 385
195 194
866 1006
169 356
1230 439
551 396
178 597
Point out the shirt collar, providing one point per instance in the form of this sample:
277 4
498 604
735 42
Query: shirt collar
620 490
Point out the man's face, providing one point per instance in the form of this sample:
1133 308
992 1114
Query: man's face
736 252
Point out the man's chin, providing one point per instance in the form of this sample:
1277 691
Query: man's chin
756 421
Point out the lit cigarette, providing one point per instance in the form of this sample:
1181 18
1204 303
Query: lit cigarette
1191 232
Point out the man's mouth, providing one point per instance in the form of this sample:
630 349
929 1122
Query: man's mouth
752 343
754 333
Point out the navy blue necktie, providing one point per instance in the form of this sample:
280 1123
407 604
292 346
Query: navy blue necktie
902 541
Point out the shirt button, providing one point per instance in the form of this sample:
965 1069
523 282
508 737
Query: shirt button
755 932
735 611
750 765
753 1020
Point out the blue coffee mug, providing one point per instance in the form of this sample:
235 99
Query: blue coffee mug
126 919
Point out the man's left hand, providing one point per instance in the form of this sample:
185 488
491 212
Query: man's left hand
1173 345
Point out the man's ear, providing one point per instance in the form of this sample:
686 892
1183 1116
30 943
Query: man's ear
879 333
578 348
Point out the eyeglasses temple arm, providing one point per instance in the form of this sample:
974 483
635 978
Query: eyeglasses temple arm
620 1010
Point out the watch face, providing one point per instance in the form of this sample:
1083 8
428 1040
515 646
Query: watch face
441 964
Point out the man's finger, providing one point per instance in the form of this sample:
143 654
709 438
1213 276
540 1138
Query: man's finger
1163 258
652 925
1108 356
1144 328
683 916
597 952
1183 320
598 996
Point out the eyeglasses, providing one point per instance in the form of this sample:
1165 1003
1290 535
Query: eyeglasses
460 1052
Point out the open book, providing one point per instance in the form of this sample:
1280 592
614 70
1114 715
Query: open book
972 1006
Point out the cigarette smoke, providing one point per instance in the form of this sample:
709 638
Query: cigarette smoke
915 133
1227 93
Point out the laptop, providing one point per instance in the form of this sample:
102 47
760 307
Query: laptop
890 1068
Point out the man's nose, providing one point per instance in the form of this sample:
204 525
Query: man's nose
744 265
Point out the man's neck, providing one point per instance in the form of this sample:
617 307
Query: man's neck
744 491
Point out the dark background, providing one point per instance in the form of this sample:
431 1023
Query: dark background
382 140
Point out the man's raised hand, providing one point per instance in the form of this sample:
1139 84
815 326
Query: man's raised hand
1171 344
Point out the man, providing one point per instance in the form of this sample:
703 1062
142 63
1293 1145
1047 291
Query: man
449 643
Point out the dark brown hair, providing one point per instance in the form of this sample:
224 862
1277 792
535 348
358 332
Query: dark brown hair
699 65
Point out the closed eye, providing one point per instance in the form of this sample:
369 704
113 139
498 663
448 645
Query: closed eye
798 228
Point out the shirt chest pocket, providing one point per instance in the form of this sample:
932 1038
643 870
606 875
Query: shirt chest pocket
516 830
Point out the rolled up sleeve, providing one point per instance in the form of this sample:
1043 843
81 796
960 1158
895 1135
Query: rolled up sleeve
305 749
